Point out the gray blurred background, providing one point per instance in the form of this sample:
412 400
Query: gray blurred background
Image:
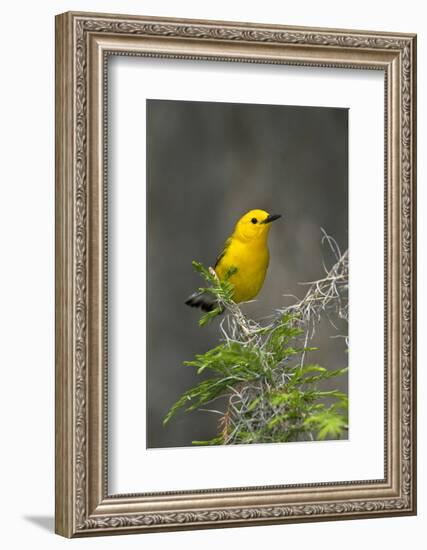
209 163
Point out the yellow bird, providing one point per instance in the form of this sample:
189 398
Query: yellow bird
247 251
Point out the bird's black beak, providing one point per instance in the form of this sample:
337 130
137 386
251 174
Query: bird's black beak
272 217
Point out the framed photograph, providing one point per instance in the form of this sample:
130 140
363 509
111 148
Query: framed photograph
235 274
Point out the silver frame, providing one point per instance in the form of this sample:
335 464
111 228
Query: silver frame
83 43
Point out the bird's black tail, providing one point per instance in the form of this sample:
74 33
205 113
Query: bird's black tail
203 300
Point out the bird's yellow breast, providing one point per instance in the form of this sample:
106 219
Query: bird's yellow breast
251 260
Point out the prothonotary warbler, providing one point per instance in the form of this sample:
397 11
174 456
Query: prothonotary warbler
246 250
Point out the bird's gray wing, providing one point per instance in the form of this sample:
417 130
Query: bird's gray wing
223 251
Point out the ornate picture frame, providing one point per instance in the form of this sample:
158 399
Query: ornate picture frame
84 42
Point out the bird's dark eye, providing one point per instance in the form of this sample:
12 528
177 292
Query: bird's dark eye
254 220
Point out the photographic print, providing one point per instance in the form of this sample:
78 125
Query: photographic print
247 239
226 194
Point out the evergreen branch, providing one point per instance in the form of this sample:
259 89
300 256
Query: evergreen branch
272 394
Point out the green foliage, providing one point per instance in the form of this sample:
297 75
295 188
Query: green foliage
221 290
271 393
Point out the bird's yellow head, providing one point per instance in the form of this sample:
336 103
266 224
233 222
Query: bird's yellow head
254 225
